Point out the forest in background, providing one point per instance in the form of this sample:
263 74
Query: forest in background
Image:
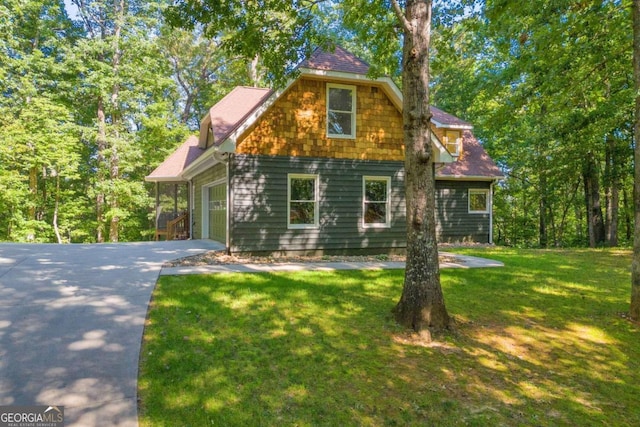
93 99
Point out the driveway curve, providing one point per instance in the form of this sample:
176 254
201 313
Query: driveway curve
71 324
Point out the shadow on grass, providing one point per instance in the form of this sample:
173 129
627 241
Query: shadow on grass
322 349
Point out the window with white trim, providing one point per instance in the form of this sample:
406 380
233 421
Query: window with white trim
376 201
341 111
478 201
302 201
452 141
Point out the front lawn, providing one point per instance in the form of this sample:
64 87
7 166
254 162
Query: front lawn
542 341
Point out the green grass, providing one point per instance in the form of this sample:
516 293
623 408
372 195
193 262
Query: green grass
540 342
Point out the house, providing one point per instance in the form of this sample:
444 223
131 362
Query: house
318 166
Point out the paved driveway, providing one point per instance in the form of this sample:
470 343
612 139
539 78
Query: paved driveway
71 322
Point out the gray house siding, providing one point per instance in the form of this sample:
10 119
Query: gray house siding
260 209
213 174
454 221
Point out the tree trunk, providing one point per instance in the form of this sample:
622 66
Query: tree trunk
595 221
542 228
612 192
635 266
56 207
114 161
421 305
100 178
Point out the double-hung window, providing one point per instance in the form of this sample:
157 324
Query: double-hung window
376 191
341 111
303 201
479 201
453 141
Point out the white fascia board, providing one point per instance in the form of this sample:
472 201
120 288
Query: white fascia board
202 163
460 127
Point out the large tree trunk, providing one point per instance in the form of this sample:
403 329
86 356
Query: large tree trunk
100 177
595 221
421 305
612 192
114 161
635 267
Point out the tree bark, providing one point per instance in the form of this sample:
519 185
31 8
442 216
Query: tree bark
595 221
421 305
612 192
114 161
635 265
101 141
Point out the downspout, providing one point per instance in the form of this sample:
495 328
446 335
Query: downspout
229 205
493 183
192 208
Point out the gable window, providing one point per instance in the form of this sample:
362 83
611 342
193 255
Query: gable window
303 201
452 141
376 201
341 111
478 201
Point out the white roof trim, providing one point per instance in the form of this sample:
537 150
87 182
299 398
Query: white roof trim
440 125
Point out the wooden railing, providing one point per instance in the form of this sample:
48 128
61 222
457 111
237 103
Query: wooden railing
177 228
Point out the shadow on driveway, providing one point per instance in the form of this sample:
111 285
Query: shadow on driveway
71 323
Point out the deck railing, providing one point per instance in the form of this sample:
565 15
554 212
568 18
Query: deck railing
176 229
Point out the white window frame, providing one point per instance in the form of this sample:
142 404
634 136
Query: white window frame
316 210
487 193
457 141
353 112
387 223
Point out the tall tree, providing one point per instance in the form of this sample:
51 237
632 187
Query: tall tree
124 83
421 305
635 269
547 85
284 29
39 153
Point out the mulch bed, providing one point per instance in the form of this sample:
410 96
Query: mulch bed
220 257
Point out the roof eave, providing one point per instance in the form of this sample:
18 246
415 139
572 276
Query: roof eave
164 179
450 126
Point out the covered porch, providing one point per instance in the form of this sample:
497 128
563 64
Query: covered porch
172 211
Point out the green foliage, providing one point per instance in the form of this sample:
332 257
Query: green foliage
547 86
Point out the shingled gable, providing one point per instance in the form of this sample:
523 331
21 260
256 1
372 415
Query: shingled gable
239 109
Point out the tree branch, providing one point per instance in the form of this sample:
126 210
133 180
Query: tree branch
406 25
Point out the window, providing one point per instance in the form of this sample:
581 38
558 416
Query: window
303 201
478 201
376 201
341 111
452 142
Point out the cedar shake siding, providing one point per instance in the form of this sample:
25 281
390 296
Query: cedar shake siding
260 208
454 222
296 125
